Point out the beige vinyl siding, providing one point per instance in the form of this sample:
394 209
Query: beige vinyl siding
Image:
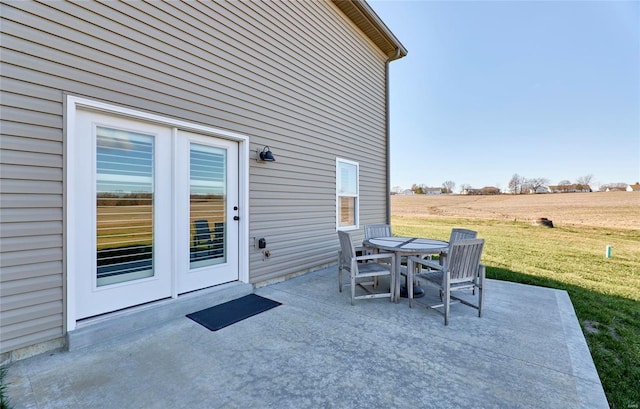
296 76
31 225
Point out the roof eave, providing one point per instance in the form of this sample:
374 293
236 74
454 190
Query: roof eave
363 16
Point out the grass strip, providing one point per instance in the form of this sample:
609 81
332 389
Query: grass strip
4 400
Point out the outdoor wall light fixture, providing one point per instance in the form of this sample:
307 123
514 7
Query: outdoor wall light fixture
266 155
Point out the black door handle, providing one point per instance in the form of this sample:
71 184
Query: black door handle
236 217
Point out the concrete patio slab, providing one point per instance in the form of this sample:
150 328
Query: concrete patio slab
318 351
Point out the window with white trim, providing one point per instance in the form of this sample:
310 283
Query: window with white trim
347 194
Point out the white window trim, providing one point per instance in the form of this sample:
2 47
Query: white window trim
357 195
72 104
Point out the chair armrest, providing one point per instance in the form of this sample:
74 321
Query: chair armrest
375 256
426 263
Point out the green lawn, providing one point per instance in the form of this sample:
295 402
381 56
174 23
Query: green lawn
4 401
605 292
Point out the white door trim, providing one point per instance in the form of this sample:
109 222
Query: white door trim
72 104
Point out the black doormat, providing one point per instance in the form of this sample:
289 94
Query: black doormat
223 315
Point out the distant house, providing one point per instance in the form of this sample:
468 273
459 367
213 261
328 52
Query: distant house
634 188
540 189
432 190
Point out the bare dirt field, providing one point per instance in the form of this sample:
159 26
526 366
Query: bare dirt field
618 210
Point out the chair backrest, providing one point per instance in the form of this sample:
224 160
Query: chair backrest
202 232
218 238
347 251
462 234
202 226
464 259
372 231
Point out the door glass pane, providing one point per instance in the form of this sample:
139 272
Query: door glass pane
208 197
124 167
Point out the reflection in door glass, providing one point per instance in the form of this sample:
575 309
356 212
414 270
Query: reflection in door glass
124 186
208 197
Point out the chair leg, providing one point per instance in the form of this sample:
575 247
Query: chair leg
339 271
447 298
353 287
410 268
481 289
480 274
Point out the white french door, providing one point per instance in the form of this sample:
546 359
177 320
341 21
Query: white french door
155 212
207 221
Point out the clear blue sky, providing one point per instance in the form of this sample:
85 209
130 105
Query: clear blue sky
544 89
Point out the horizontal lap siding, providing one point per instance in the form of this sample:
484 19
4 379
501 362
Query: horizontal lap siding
31 224
293 199
292 75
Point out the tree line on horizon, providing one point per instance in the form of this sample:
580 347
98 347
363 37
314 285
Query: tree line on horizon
517 185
